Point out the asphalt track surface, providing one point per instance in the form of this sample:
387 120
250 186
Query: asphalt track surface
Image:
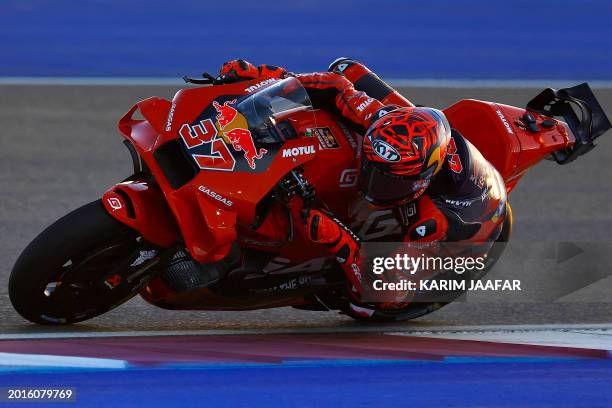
59 149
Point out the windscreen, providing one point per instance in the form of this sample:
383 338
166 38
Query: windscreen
266 110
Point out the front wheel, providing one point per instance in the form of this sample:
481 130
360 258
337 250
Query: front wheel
81 266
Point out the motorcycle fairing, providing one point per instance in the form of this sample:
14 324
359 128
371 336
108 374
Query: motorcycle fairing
205 218
141 206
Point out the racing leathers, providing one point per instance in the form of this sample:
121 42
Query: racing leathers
466 201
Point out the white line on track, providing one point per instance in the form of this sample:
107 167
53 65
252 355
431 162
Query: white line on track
593 338
388 329
415 83
43 360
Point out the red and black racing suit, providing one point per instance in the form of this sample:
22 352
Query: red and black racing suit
466 201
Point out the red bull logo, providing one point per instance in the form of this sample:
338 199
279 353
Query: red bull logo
226 113
233 126
242 140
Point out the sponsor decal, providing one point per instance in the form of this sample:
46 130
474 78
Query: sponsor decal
205 133
420 185
260 84
143 257
225 113
478 180
378 224
385 151
347 229
364 104
485 194
348 135
423 230
216 196
506 124
113 281
458 203
240 137
294 283
348 178
170 116
454 161
382 113
114 203
326 137
298 151
342 67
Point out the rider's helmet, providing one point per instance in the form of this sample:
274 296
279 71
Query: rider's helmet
402 151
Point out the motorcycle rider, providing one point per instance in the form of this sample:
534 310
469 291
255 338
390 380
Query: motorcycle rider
438 184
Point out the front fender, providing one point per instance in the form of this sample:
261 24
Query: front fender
142 207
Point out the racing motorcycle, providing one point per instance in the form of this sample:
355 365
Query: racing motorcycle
203 222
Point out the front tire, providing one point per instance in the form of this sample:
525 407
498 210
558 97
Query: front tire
59 277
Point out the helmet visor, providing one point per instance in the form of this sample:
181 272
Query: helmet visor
383 188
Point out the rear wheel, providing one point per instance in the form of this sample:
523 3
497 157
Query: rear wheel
81 266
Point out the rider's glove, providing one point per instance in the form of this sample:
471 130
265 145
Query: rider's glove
340 241
241 70
295 184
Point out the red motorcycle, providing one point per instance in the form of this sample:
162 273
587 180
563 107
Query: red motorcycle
202 222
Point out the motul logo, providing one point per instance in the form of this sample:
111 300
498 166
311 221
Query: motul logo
506 124
260 84
364 104
298 151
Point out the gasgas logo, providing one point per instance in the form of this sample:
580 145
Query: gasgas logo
216 196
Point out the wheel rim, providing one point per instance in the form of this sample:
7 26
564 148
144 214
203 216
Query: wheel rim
74 291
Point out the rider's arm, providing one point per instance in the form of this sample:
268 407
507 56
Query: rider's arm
431 224
333 91
367 81
328 90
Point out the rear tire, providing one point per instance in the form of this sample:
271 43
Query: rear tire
59 277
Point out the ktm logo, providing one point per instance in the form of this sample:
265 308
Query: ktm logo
385 151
